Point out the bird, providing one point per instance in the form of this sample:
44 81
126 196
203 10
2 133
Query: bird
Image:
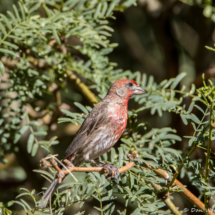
101 129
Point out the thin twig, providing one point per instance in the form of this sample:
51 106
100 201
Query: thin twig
50 156
50 205
181 166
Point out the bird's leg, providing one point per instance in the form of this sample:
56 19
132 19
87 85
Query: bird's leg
98 161
89 161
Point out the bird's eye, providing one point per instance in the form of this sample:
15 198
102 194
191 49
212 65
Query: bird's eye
130 84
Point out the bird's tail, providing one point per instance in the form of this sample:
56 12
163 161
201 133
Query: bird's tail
54 185
49 192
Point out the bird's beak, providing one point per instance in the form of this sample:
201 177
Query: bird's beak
138 90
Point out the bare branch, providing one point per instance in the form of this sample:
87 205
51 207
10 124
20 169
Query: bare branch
82 87
70 168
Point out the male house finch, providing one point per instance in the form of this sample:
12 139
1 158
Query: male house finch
101 129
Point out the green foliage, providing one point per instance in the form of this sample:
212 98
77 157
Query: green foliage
154 147
38 42
36 55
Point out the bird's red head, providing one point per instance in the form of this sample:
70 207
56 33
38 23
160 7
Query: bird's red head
125 88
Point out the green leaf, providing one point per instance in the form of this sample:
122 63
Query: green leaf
170 136
9 204
193 88
129 3
12 17
56 36
104 8
113 153
146 155
194 118
95 197
81 107
183 117
23 129
128 142
208 11
34 150
35 7
30 143
9 52
17 13
199 108
22 194
19 203
163 83
17 137
22 11
108 206
7 22
75 192
131 177
2 68
10 44
104 156
26 204
120 156
191 107
177 80
168 83
111 7
99 209
44 173
40 133
97 13
3 29
70 114
93 178
209 48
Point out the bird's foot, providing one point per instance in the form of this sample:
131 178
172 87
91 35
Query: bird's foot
68 163
110 170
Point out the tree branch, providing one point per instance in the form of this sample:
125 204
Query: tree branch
82 87
71 168
166 200
184 191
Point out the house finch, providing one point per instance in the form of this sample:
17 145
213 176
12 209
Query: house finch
101 129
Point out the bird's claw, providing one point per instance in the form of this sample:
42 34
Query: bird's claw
110 170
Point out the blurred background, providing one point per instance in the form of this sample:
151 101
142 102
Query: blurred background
159 38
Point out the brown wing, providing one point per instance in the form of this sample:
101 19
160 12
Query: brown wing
96 118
